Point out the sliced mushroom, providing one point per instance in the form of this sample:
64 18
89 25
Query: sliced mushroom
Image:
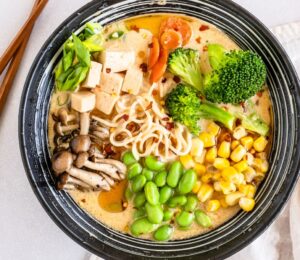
94 152
101 132
84 123
66 178
83 161
62 130
109 180
62 162
80 143
119 165
64 117
67 186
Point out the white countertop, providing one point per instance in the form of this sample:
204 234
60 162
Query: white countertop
26 230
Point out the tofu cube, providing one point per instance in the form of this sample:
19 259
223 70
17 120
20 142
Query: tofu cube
83 101
111 83
117 61
94 75
105 102
133 81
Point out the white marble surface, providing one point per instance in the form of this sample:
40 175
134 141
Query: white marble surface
26 230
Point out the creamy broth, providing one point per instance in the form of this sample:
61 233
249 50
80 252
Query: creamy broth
89 201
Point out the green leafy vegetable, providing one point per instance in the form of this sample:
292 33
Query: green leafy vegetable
81 51
185 107
235 77
72 69
185 63
89 30
68 57
115 35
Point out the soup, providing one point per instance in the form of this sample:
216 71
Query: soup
159 126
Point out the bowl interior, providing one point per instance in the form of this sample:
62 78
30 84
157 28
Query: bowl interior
248 33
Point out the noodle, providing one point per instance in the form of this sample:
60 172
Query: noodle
142 125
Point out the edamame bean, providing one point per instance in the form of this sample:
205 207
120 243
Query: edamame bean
139 199
163 233
187 182
185 219
165 194
154 213
202 219
148 174
153 164
128 193
151 192
142 226
174 174
138 183
178 200
134 170
139 213
168 214
191 203
128 158
160 179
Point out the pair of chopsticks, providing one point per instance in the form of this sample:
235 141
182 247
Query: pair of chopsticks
12 56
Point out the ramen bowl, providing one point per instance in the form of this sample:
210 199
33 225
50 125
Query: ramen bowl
248 33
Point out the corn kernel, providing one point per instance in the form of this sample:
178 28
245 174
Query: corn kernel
216 176
248 190
221 163
232 175
224 149
200 169
261 165
259 177
252 151
217 186
201 158
227 187
247 142
239 132
207 139
238 153
187 161
223 203
262 155
234 144
197 147
205 192
196 187
213 205
241 166
247 204
207 177
211 155
213 128
233 198
249 174
249 158
260 144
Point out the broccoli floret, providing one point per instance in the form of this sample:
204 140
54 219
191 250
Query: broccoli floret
254 123
185 106
236 75
185 63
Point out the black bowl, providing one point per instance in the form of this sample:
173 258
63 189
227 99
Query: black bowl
248 33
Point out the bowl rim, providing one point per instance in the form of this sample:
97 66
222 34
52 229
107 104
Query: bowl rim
230 5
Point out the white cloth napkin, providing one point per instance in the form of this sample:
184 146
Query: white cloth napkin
281 241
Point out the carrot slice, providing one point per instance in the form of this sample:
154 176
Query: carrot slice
154 52
160 66
170 39
179 25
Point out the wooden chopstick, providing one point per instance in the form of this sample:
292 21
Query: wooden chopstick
16 60
10 51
